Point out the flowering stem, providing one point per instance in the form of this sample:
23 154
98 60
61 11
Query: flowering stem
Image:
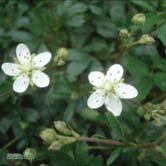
118 143
101 141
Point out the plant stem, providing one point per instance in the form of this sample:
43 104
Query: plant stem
101 141
11 142
118 143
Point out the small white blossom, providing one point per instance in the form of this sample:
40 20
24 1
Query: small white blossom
109 88
28 69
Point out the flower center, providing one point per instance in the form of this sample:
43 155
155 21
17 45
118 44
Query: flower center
108 86
26 67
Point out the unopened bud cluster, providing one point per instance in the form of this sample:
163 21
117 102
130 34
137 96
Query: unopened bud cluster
61 56
128 37
153 112
58 137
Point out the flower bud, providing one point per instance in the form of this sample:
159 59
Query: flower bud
123 33
63 53
56 145
138 19
146 39
48 135
147 117
60 62
30 154
62 127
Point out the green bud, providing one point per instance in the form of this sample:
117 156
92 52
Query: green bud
30 154
63 140
147 116
63 53
62 127
56 145
123 33
161 111
138 19
60 62
146 39
48 135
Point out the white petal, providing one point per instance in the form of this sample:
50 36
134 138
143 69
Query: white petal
96 78
41 59
96 99
126 91
11 69
115 73
40 79
23 53
21 83
113 104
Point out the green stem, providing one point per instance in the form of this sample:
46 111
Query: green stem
11 142
118 143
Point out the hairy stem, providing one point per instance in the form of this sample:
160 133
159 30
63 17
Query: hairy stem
117 143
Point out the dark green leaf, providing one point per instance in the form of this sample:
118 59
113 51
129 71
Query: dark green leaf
114 155
160 80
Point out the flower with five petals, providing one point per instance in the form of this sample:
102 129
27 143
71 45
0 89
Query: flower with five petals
28 69
109 88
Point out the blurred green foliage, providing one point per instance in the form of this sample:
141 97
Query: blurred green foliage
89 29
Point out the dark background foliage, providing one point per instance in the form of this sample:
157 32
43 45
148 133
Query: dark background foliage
89 29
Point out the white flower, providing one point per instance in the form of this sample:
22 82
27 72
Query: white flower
28 69
109 88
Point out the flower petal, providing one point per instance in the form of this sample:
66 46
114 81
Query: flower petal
21 83
41 59
115 73
96 99
40 79
113 104
126 91
11 69
96 78
23 53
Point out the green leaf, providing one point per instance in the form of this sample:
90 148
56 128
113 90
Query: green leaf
143 89
114 155
21 36
144 4
151 20
4 125
160 80
117 11
69 112
76 21
106 28
115 126
61 158
136 67
3 157
77 9
161 33
95 10
31 115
